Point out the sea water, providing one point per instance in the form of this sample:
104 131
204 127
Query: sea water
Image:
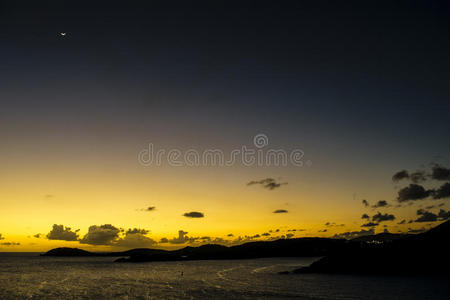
30 276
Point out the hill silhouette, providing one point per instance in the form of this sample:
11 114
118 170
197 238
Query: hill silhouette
425 253
278 248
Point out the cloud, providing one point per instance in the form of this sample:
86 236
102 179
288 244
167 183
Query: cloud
230 235
365 216
440 173
267 183
418 176
150 208
194 214
402 222
9 244
381 203
442 192
400 175
379 217
101 235
1 237
181 239
365 203
37 235
426 216
135 239
333 224
58 232
354 234
370 224
137 230
416 230
280 211
413 192
444 215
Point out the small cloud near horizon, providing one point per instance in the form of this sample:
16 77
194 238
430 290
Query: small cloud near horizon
280 211
61 233
194 214
267 183
381 203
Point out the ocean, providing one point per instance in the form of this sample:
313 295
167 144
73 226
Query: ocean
29 276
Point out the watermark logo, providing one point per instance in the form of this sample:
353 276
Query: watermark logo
258 155
260 140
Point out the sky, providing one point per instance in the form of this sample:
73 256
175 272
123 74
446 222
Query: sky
359 89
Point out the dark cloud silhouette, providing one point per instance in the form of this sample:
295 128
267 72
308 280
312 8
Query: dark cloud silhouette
418 176
365 202
333 224
426 216
440 173
370 224
230 235
402 222
400 175
9 244
280 211
37 235
134 238
416 230
268 183
151 208
381 203
1 237
354 234
365 216
181 239
379 217
59 232
442 192
265 234
101 235
194 214
137 230
443 215
413 192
